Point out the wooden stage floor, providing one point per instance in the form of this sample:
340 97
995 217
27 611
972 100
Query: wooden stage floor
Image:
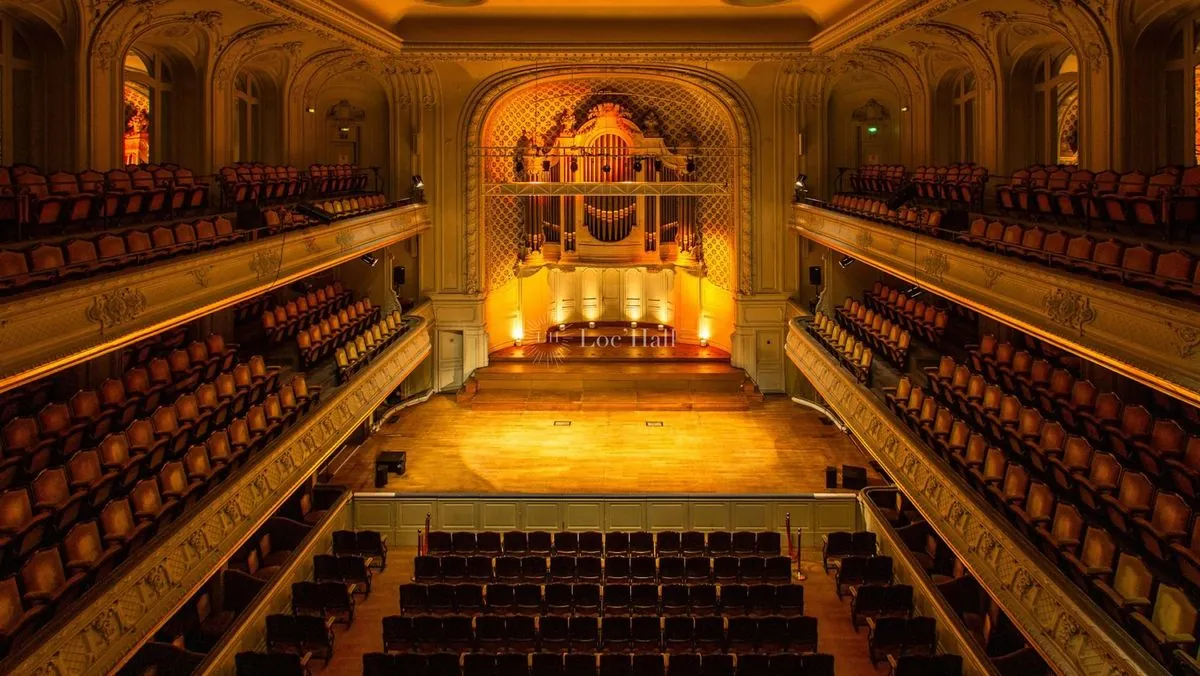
775 448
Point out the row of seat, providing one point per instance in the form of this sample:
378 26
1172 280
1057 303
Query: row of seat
354 206
1172 272
1164 200
610 599
854 355
355 325
48 264
281 322
640 633
878 179
566 568
1006 483
603 664
250 182
621 543
885 337
63 199
911 218
926 320
960 184
284 219
329 179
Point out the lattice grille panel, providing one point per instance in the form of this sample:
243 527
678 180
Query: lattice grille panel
682 112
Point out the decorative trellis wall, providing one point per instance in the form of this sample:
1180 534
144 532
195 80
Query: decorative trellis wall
682 111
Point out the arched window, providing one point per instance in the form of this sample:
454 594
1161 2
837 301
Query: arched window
247 125
148 108
1182 105
962 121
1056 107
17 100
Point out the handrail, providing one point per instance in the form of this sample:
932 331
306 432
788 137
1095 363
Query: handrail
953 636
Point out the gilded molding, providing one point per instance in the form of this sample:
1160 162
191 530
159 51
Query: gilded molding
74 322
1145 336
1055 617
117 615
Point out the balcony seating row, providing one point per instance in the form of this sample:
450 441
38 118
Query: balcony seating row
878 179
707 634
620 543
959 185
63 199
910 218
1173 272
250 182
49 264
158 345
889 339
614 598
854 355
354 206
925 320
281 322
358 352
284 219
321 339
331 179
1165 200
603 664
569 567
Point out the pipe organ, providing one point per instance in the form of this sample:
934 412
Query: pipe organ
604 207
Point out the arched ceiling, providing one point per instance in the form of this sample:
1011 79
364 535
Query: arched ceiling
604 20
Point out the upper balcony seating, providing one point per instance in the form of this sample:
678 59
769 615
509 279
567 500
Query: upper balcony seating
854 355
1164 201
1171 272
360 349
254 181
354 206
890 339
62 199
1061 460
878 179
323 336
912 218
331 179
959 185
48 264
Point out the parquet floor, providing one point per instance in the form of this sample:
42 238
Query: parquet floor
835 635
775 448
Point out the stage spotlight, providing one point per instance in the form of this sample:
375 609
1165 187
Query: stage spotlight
845 262
637 164
418 184
801 188
369 260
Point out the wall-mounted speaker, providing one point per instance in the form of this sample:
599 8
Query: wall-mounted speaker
814 275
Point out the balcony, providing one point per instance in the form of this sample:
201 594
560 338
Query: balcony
1057 619
48 330
113 619
1150 338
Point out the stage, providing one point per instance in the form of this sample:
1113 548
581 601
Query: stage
774 448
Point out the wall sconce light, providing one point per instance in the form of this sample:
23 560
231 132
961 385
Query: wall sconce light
370 260
904 109
845 262
591 325
311 109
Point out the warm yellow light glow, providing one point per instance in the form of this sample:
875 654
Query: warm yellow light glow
518 331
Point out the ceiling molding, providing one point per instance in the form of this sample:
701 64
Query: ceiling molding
877 21
639 52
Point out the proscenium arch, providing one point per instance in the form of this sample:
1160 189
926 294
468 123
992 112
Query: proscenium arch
488 94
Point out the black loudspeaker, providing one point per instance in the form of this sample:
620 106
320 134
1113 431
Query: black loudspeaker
854 478
830 477
398 275
381 475
814 275
901 196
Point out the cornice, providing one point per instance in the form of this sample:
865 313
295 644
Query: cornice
45 331
1150 338
323 18
876 21
596 52
1056 618
116 617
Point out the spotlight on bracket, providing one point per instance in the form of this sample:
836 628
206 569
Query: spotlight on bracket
418 188
369 259
418 183
845 262
801 188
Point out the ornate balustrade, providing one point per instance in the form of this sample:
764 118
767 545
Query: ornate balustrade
113 619
1056 618
44 331
1148 337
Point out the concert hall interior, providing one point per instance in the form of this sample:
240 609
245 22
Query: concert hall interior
600 337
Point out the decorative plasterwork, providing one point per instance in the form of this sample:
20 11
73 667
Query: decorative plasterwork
114 617
74 322
1057 619
625 53
1139 334
493 90
877 21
